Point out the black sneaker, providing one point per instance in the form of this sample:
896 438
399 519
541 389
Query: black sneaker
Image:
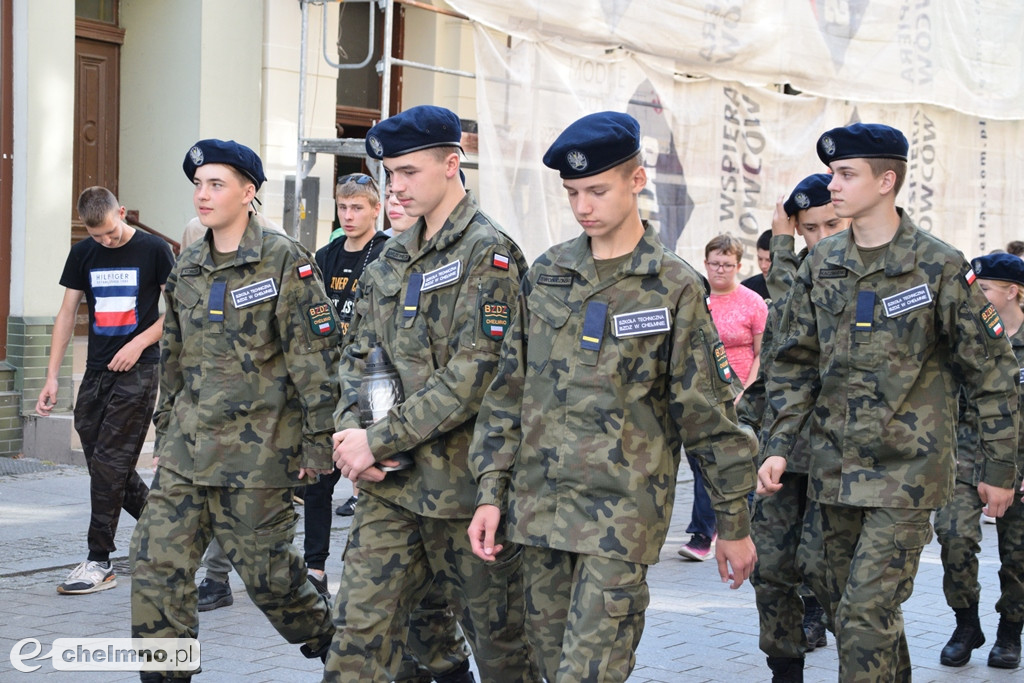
214 594
348 508
320 583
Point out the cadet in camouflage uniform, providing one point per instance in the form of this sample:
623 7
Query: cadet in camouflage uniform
879 319
438 302
957 524
785 526
612 365
246 399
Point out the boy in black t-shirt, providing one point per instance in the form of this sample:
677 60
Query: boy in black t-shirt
121 273
341 262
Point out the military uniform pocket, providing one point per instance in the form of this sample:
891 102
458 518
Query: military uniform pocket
506 602
547 316
623 601
279 568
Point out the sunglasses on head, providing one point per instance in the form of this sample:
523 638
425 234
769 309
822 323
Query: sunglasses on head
358 179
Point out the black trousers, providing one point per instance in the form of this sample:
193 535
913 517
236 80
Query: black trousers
112 415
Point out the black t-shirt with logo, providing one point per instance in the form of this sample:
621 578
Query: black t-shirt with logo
341 270
122 287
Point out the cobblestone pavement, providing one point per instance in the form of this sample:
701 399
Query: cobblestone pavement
697 629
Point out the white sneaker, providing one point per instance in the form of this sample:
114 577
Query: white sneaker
985 519
89 577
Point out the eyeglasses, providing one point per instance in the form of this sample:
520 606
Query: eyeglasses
358 179
713 265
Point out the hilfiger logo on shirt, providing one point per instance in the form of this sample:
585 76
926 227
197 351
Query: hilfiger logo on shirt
116 292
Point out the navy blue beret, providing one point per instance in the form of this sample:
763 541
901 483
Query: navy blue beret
594 144
1004 267
225 152
414 129
811 191
862 141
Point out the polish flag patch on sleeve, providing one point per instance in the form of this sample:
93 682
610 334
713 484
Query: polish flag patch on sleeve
970 276
500 261
305 270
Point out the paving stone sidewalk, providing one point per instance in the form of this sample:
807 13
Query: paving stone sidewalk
697 628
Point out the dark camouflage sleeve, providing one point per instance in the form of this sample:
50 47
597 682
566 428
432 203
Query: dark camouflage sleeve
171 379
701 406
785 263
989 370
452 394
498 429
792 383
308 329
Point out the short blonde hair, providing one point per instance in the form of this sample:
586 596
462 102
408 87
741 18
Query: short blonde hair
727 244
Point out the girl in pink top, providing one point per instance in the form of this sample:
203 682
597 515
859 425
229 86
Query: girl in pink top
739 313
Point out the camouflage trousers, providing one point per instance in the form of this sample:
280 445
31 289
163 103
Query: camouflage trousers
958 527
255 527
391 559
871 559
585 614
786 528
112 415
436 645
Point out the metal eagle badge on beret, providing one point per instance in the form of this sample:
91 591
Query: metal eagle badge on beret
321 319
494 319
375 145
576 159
802 200
196 155
829 145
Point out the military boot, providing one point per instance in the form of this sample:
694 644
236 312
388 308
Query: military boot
787 669
814 623
1005 654
965 638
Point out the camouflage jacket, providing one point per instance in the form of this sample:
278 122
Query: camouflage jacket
248 355
753 408
600 385
968 465
867 355
440 310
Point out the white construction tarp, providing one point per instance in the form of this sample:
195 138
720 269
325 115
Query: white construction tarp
720 148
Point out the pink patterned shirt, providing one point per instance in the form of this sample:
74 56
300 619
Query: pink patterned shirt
739 316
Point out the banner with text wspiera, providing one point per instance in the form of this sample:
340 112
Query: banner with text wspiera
719 153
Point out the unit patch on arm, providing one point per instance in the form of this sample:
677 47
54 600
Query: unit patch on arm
494 319
722 363
990 319
321 320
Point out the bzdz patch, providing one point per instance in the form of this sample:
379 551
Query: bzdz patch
494 319
993 324
321 320
722 363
